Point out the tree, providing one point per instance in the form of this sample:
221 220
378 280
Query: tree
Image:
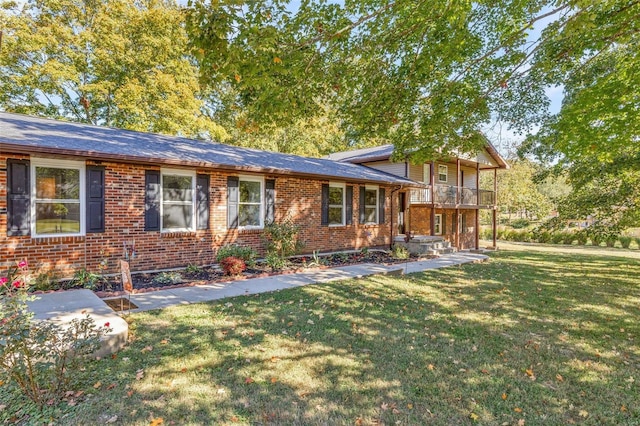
426 74
119 63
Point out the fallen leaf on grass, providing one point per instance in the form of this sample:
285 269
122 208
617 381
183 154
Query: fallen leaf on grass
164 341
518 410
139 374
431 367
358 421
111 386
234 419
97 385
249 380
583 413
504 396
146 349
559 378
183 370
274 379
623 408
474 416
156 422
112 419
521 422
275 359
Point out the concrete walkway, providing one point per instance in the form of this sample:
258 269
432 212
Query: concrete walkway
62 307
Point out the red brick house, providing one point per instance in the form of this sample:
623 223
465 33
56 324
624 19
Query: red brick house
447 205
73 195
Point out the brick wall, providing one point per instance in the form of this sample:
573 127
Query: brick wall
297 198
420 223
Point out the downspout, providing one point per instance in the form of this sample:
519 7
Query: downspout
495 206
477 224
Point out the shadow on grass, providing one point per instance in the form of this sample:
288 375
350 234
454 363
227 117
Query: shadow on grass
544 338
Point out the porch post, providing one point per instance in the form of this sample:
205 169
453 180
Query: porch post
458 185
432 181
477 224
495 208
456 223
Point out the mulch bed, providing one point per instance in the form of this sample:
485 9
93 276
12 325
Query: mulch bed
144 282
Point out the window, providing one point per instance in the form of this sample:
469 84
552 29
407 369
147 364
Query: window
58 205
178 189
250 213
437 225
336 204
462 223
442 173
371 204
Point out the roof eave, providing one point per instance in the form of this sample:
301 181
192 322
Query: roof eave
97 156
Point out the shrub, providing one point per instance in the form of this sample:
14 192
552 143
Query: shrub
543 236
45 281
399 252
40 358
581 236
596 240
193 269
625 241
85 279
520 223
167 278
638 242
275 262
280 241
568 238
247 254
610 241
557 237
233 265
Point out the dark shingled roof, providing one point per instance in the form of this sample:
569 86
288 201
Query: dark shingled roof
34 135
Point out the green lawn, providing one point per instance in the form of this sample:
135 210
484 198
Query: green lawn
544 338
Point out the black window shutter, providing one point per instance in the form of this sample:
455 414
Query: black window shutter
269 201
202 202
381 201
362 215
18 197
95 199
233 196
349 205
152 201
324 217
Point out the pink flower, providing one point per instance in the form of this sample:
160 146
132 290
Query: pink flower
3 280
106 324
17 283
23 264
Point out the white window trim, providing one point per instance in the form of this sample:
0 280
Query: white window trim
446 173
344 202
437 224
178 172
259 179
377 189
58 164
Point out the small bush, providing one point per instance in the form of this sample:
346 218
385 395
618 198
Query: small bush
638 242
167 278
233 265
557 237
581 236
625 241
46 281
41 358
399 252
520 223
192 269
247 254
543 237
275 262
596 240
569 238
84 279
610 241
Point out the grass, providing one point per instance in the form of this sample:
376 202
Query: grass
544 338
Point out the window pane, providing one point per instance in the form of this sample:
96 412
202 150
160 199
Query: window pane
57 218
335 215
177 216
57 184
370 197
335 195
370 214
248 215
177 188
249 192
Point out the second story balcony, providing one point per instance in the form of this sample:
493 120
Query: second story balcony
448 195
